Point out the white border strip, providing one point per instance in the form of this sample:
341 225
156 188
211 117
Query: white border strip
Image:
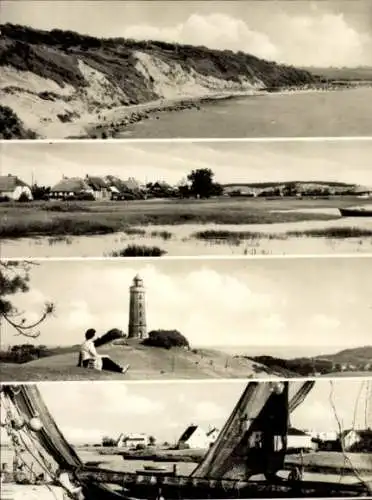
242 258
188 140
172 381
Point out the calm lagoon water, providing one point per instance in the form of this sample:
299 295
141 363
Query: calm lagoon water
334 113
182 243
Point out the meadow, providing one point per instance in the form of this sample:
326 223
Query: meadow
87 217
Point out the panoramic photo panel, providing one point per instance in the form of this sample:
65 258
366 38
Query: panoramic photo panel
164 69
232 440
133 319
120 199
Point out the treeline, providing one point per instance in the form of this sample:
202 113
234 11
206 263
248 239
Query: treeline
23 353
290 190
302 366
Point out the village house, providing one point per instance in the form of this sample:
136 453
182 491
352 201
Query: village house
100 187
70 188
363 192
195 437
299 440
121 190
133 441
359 440
13 188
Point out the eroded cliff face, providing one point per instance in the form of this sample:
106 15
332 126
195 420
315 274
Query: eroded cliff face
57 82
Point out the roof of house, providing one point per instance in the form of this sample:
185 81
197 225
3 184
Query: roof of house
211 431
296 432
130 184
188 432
10 182
96 182
362 433
71 185
363 189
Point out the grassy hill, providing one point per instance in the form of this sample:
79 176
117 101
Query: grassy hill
69 78
348 362
145 363
354 355
359 73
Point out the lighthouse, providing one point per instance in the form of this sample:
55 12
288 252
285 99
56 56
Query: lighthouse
137 310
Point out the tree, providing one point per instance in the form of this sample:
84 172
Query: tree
152 440
40 192
202 184
14 279
166 339
108 441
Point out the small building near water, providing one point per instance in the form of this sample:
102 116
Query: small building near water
70 188
14 189
99 186
133 441
357 440
299 440
195 437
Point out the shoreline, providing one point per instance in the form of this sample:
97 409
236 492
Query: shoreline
115 121
121 117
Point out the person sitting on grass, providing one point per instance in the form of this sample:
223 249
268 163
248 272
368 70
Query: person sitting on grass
89 357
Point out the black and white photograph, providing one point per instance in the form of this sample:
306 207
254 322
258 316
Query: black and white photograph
246 439
186 249
130 199
160 69
186 319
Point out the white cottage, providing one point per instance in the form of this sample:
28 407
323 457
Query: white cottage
133 441
13 188
195 437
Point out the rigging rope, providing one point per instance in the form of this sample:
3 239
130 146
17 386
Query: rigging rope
19 439
343 451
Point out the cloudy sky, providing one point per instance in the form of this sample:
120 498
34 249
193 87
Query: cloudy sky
347 161
301 32
126 407
261 304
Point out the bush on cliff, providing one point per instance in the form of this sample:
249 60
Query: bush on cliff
166 339
11 126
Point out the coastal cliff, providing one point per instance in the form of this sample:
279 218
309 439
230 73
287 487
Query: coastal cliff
60 83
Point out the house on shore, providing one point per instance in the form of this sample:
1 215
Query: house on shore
357 440
14 189
363 192
195 437
123 190
71 188
299 440
99 186
133 441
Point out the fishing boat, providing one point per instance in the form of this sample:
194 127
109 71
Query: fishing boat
252 442
363 211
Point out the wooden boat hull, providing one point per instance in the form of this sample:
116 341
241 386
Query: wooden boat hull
144 487
354 212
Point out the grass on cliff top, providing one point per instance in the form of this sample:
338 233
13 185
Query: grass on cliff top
53 219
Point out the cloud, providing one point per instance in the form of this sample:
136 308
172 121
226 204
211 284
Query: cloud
217 31
316 38
83 435
208 411
325 322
